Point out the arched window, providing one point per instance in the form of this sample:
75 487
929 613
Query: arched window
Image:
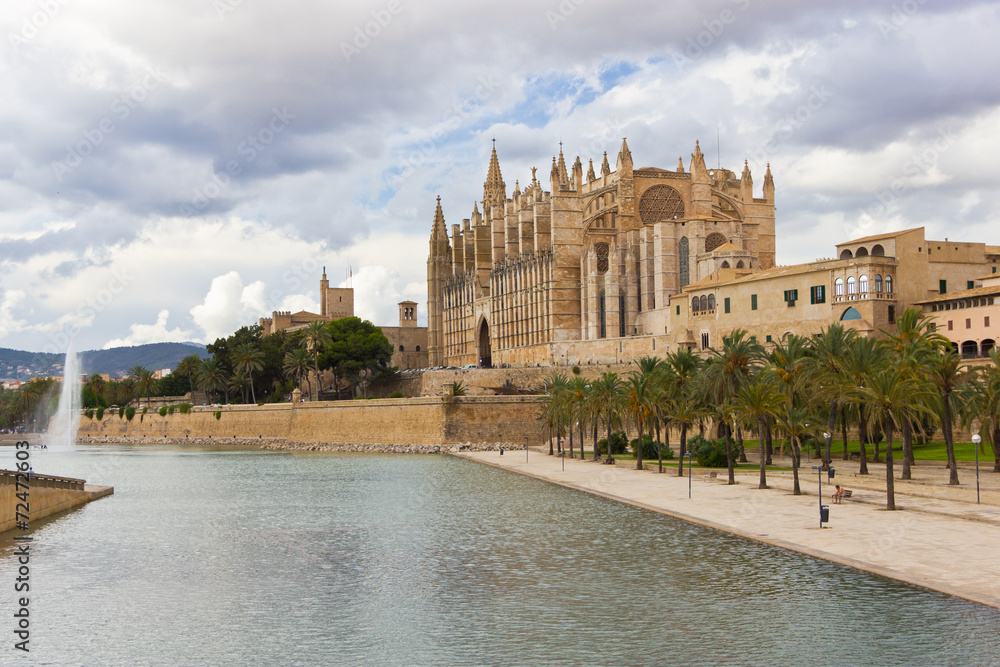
862 252
603 315
602 257
838 287
863 284
713 241
739 264
851 314
878 251
878 284
852 286
711 302
846 254
704 302
418 348
401 348
683 261
725 265
888 284
694 304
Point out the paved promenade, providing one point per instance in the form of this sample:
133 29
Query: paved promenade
940 539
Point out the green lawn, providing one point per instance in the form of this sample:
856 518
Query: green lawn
931 451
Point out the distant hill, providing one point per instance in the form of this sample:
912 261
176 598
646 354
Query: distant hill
114 362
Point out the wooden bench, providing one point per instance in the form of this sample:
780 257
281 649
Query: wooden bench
847 494
712 475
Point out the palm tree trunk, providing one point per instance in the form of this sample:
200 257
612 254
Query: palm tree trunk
796 491
843 431
680 464
995 440
252 392
729 453
763 453
907 430
862 437
571 440
597 457
551 453
890 489
638 450
659 452
610 459
739 443
949 438
770 444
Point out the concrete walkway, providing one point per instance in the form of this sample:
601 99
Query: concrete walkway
939 539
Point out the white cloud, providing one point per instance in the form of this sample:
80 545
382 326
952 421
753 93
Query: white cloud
228 305
140 334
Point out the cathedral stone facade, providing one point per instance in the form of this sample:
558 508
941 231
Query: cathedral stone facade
587 268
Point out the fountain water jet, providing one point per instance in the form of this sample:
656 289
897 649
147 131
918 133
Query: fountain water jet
63 427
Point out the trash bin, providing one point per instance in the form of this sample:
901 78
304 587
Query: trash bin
831 472
824 514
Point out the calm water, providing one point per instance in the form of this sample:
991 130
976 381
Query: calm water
246 557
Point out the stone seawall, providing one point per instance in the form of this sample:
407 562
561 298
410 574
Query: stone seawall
444 421
46 496
287 445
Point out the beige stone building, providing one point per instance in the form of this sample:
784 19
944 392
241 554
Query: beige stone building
409 341
609 267
580 270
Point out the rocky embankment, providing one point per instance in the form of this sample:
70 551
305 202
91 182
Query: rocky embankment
284 445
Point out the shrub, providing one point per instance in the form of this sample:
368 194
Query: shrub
218 414
170 409
395 394
709 453
88 413
184 408
458 388
145 409
163 411
576 370
121 412
129 413
619 443
649 447
99 413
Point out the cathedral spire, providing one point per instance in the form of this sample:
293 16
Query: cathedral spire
591 176
768 184
563 175
624 165
699 171
494 189
680 165
605 167
438 229
746 183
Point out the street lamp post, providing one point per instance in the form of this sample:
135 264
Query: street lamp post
826 449
976 439
688 455
819 475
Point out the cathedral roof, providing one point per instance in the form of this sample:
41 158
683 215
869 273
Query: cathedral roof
729 247
879 237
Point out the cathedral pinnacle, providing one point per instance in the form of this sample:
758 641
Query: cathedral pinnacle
680 165
591 176
563 175
605 167
494 189
625 161
438 228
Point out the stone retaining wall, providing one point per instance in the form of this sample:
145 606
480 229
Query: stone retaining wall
392 422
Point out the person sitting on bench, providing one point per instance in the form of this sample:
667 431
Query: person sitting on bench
838 494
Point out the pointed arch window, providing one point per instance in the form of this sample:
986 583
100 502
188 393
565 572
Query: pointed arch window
683 261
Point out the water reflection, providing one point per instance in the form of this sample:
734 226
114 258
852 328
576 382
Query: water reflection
247 557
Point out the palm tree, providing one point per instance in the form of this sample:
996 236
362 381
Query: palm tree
947 375
789 362
637 398
894 395
212 377
760 400
861 357
248 358
296 365
728 370
829 349
660 382
914 349
795 422
553 407
239 383
607 392
188 366
317 337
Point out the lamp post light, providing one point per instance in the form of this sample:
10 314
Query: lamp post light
688 455
826 449
976 439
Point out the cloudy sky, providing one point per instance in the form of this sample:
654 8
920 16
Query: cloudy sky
171 171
